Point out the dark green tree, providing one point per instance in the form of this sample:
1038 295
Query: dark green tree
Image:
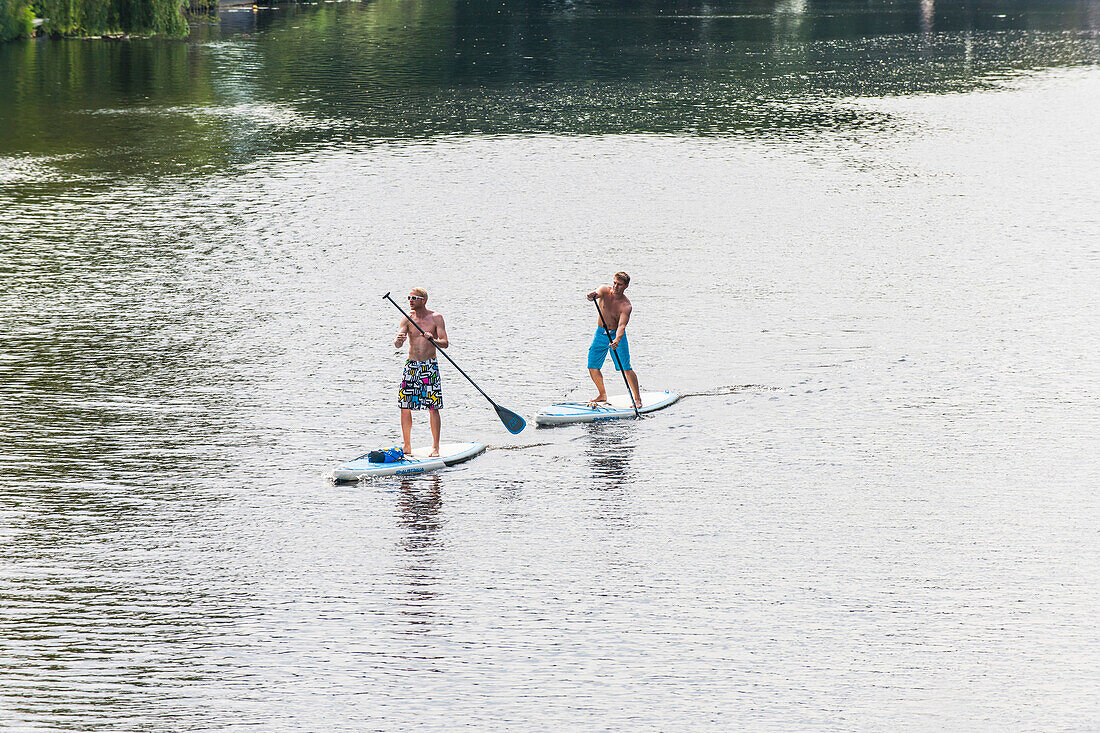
96 17
16 19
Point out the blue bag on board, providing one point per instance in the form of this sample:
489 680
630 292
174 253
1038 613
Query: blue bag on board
386 456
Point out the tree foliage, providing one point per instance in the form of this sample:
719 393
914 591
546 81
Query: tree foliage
96 17
16 19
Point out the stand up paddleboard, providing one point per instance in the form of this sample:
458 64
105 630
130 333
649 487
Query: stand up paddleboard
617 407
416 462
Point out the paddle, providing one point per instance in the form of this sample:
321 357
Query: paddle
615 358
513 422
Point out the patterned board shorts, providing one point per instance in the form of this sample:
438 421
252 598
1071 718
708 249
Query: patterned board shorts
420 386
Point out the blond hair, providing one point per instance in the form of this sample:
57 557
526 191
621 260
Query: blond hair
421 292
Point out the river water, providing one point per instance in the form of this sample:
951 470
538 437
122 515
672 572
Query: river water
863 240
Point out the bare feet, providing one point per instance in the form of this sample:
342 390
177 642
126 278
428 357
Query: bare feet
599 399
434 453
407 450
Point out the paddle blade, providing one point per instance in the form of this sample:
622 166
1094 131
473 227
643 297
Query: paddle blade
511 420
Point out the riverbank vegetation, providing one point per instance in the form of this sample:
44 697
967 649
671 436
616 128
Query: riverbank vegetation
62 18
16 19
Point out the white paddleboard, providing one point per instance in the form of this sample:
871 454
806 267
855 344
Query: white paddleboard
617 407
416 462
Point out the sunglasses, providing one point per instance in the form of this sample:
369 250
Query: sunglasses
416 297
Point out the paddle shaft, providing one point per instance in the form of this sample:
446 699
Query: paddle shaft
440 349
615 357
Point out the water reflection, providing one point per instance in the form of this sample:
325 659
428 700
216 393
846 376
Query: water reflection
927 17
256 83
610 448
419 507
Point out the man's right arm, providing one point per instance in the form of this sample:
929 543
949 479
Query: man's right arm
598 293
402 334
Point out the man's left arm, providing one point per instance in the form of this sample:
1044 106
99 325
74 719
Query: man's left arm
624 318
440 338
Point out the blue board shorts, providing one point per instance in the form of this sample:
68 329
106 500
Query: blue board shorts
597 352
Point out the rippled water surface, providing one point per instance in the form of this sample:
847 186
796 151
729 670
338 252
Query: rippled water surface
863 240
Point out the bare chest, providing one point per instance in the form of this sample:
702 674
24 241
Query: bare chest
426 324
611 310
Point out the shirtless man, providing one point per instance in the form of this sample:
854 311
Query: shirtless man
420 385
616 310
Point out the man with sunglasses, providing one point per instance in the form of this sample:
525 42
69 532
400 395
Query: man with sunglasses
420 385
615 308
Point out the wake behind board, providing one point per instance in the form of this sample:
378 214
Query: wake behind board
617 407
416 462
